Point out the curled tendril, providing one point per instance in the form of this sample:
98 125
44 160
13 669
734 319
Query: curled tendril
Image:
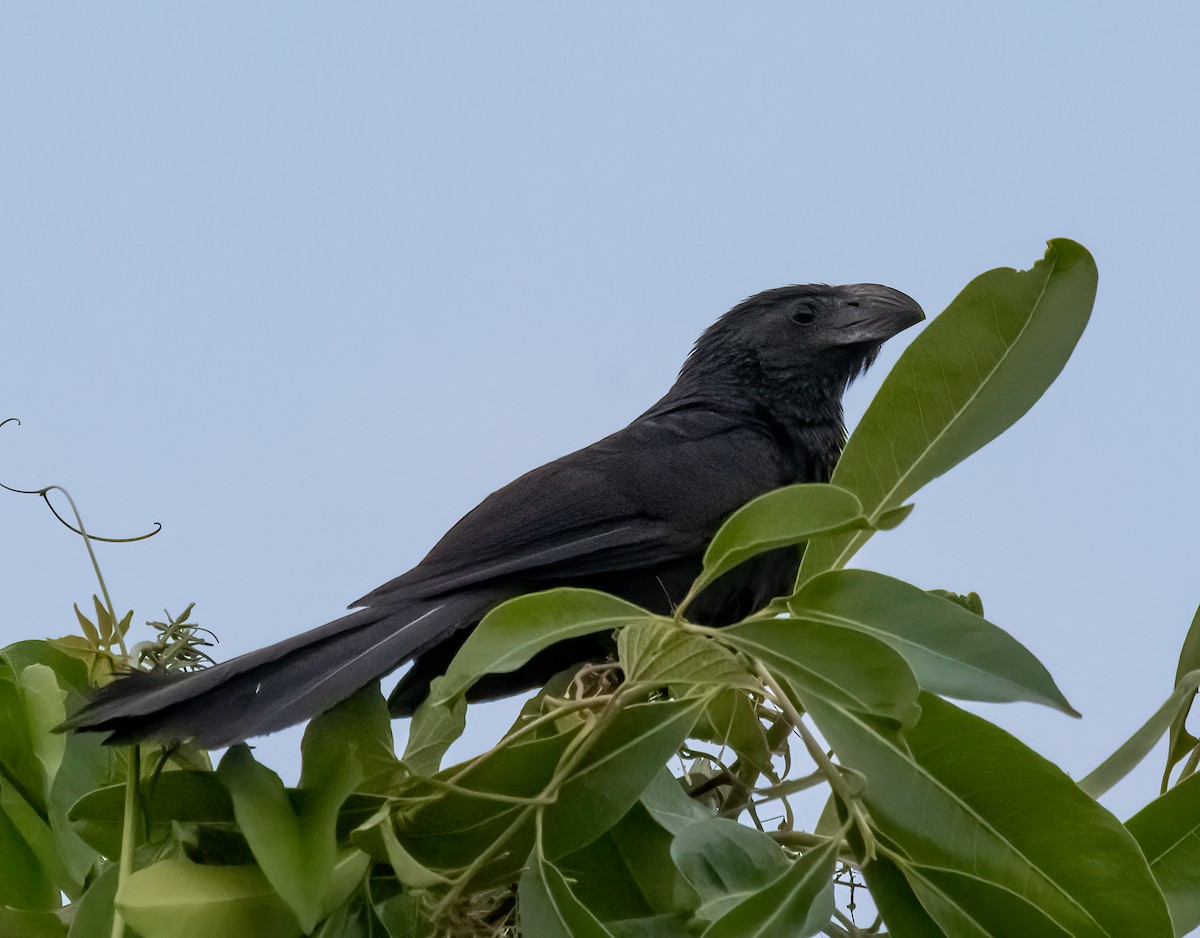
45 496
6 422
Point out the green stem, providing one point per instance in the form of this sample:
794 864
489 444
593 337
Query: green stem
129 832
1189 767
87 542
574 752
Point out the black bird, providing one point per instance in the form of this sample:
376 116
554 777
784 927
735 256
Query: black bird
757 405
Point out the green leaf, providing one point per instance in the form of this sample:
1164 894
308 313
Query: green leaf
174 797
438 827
1181 741
24 883
407 870
93 914
33 826
44 709
797 904
844 666
656 926
898 904
992 809
404 917
507 637
21 655
177 899
548 907
669 805
437 723
951 650
969 376
104 622
725 862
19 765
730 720
786 517
628 872
512 633
296 849
357 732
971 601
661 654
17 924
965 905
1168 831
89 630
626 756
87 764
1141 743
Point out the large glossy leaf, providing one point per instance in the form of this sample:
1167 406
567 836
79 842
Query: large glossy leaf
970 375
1168 831
786 517
797 904
992 809
844 666
177 899
951 650
507 637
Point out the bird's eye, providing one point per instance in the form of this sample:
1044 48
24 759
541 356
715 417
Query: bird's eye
804 315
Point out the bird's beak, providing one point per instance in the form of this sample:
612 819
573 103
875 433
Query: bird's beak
872 313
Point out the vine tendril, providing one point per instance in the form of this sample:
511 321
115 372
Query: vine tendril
45 495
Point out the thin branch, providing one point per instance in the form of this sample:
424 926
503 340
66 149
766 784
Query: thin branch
837 781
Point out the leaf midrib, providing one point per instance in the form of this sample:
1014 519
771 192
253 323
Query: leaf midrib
983 822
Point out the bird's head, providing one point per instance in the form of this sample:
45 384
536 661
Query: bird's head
811 339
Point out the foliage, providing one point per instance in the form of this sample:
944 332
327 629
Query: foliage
654 795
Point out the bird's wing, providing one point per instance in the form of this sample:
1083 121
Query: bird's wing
652 493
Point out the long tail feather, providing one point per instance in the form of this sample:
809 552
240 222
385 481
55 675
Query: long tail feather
274 687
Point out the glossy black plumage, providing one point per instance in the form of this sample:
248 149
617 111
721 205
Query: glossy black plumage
756 406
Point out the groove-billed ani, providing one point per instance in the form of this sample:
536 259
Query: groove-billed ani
757 405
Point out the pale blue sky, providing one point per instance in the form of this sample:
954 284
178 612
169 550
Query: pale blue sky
306 281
